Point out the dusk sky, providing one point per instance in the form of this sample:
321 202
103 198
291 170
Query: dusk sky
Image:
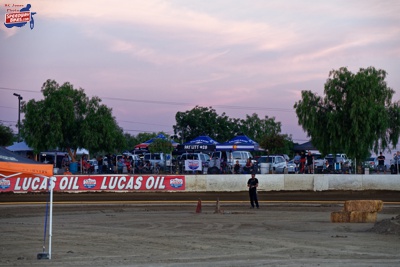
149 59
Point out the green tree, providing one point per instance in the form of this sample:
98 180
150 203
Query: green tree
67 119
206 121
6 135
130 141
355 116
257 129
277 143
161 145
203 121
143 137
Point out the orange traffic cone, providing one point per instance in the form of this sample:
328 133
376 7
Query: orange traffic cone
198 209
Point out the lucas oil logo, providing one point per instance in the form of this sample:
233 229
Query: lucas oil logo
19 15
4 184
89 183
194 164
176 182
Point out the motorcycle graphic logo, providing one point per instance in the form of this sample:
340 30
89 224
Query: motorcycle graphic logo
20 19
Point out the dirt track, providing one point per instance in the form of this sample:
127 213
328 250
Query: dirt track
386 196
173 234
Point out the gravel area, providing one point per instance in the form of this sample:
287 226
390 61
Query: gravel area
173 234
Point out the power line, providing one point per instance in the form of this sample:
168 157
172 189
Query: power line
162 103
20 90
171 102
8 121
192 104
145 131
8 107
135 122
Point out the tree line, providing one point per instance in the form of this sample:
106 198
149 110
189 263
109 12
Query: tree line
356 115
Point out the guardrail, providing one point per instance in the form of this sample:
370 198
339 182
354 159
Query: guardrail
200 183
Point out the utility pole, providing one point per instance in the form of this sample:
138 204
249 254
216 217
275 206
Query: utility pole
19 113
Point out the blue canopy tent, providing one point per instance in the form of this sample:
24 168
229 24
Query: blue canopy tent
145 145
21 149
202 139
239 142
200 143
21 146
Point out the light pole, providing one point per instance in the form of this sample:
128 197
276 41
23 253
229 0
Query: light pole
19 111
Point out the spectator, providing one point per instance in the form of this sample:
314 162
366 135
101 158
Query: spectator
327 167
296 161
65 162
248 168
310 161
302 162
100 164
396 162
85 164
67 172
381 163
120 165
236 168
110 163
128 164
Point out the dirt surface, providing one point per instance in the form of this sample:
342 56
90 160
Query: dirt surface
390 226
171 233
276 196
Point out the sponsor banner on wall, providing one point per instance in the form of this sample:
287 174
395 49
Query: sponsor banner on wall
71 183
193 165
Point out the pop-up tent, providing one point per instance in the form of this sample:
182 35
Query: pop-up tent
200 143
305 147
239 142
21 146
202 139
12 165
145 145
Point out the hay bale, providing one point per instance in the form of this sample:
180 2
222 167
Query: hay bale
353 217
363 205
363 217
340 217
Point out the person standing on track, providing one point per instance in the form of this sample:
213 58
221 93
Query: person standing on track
252 184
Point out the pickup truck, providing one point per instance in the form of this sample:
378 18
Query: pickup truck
229 159
345 162
342 158
319 163
155 158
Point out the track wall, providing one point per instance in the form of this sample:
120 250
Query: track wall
199 183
